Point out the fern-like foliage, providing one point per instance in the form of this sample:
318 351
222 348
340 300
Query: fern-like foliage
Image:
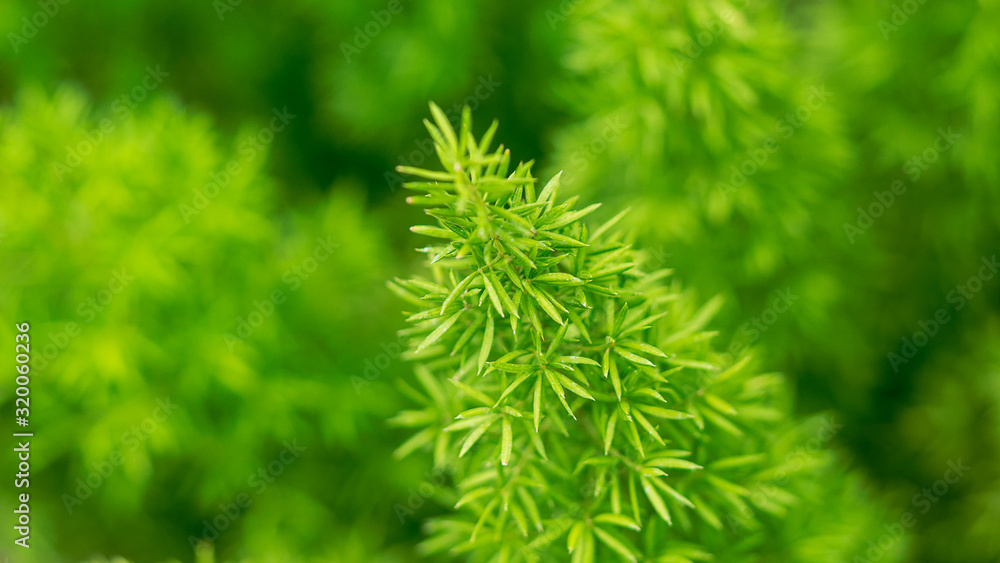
571 394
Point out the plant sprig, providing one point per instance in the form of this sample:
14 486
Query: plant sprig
569 391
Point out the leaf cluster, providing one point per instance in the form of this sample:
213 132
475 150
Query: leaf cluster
571 393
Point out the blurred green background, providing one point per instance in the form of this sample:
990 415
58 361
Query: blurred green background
199 209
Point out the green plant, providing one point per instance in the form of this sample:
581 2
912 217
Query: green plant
567 390
132 306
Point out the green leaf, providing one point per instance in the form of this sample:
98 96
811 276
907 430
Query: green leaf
672 463
642 325
617 520
530 507
558 278
519 518
484 352
585 548
642 347
577 360
487 139
436 232
571 385
513 247
615 380
439 331
415 442
482 518
444 125
673 493
491 289
639 360
633 435
649 427
507 442
731 370
537 409
520 223
411 419
599 232
578 323
721 422
474 412
536 441
557 387
512 368
465 132
574 536
695 364
421 173
556 341
467 335
472 392
619 319
510 388
551 189
501 292
459 289
655 499
405 294
511 411
545 304
719 404
473 495
562 239
476 434
616 493
609 431
614 544
570 217
727 485
701 507
662 412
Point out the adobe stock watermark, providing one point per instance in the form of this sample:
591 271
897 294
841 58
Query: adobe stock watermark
784 129
901 14
31 26
259 480
373 368
659 255
88 309
566 9
365 34
796 459
132 439
424 147
706 35
756 327
914 168
224 7
417 497
957 298
925 501
248 149
293 277
580 160
122 108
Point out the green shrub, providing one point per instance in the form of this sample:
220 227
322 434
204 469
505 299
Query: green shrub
571 393
145 380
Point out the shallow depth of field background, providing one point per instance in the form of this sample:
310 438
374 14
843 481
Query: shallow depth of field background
198 208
